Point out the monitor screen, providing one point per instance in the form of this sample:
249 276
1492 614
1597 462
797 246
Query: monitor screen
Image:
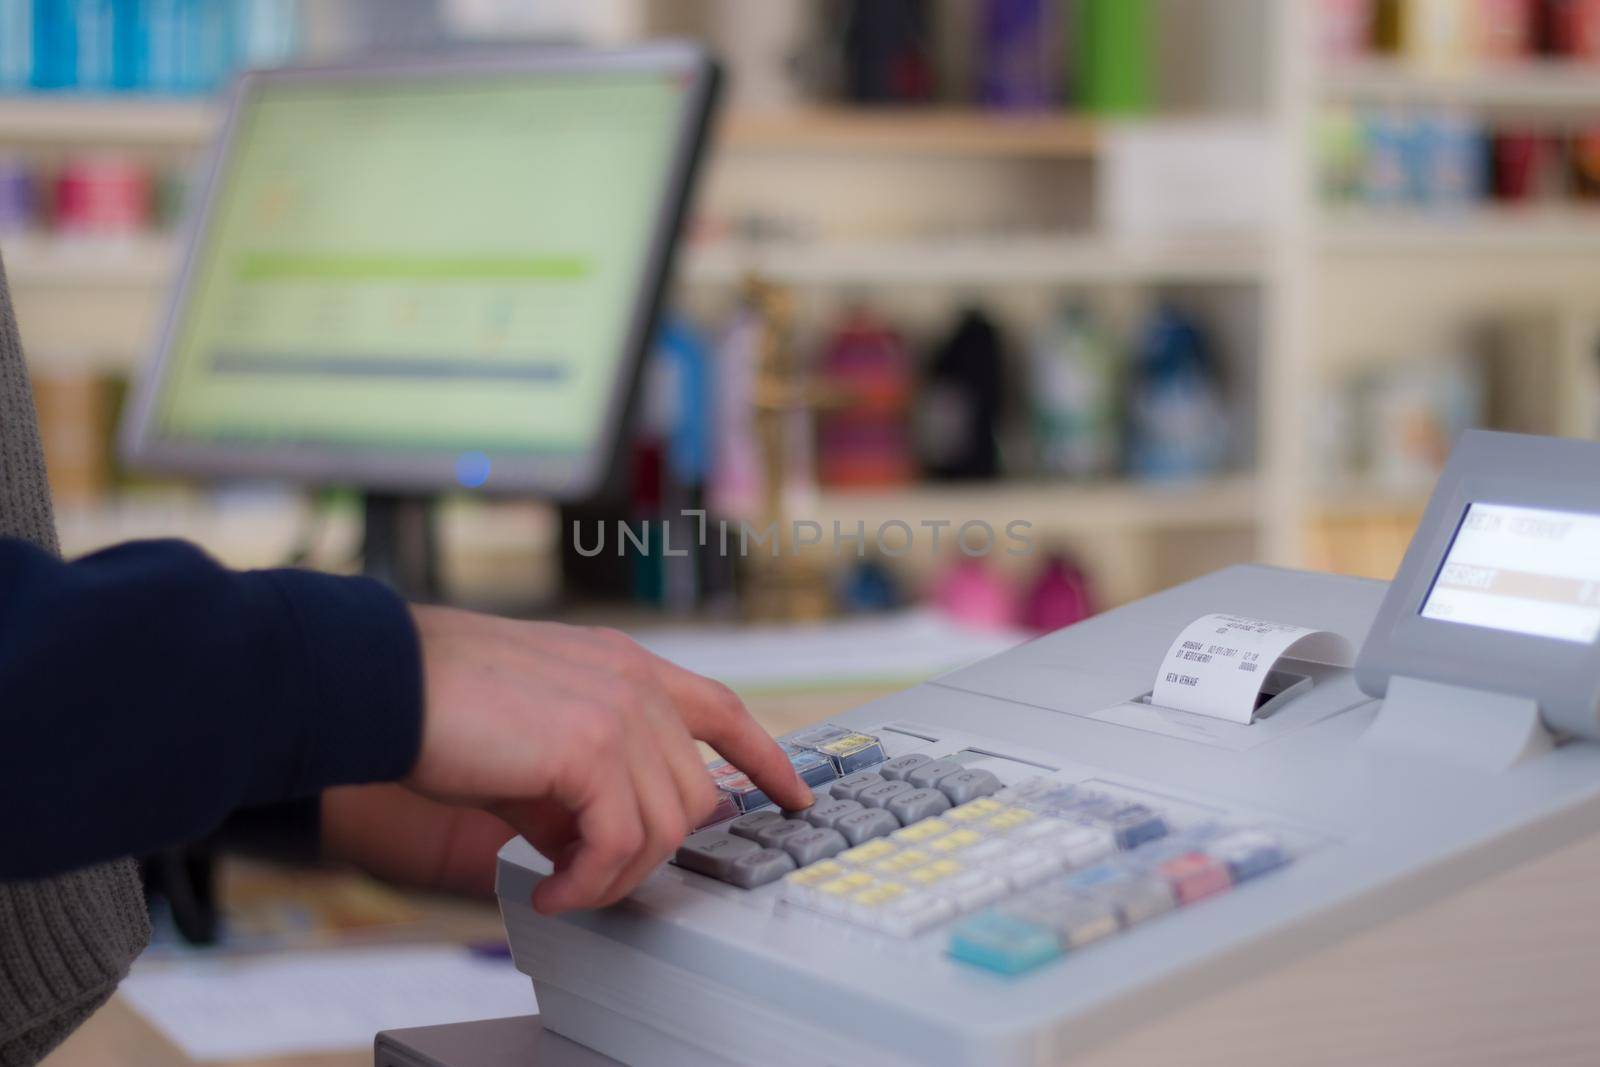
422 263
1523 570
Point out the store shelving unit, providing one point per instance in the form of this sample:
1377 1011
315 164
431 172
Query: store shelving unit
1390 284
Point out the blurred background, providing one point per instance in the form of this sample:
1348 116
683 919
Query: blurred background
1178 282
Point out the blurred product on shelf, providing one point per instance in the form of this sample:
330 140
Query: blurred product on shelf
887 52
96 194
736 481
1059 596
1178 428
1449 37
1022 42
16 197
1444 158
1075 397
103 196
958 406
1583 159
972 593
1114 55
1525 166
77 419
1389 428
153 46
867 440
762 48
867 587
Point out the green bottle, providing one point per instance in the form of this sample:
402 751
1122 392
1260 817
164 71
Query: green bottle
1115 39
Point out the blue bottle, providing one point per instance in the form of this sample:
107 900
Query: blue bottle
1178 427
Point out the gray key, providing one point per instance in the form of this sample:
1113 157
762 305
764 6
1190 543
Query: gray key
926 775
758 868
847 787
968 785
773 835
817 843
878 796
712 852
827 813
897 768
917 804
751 825
866 824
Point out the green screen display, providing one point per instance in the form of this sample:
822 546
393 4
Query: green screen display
444 264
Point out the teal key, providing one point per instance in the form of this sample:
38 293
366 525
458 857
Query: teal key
1003 943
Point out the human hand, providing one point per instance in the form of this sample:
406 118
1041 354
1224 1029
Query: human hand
399 835
583 742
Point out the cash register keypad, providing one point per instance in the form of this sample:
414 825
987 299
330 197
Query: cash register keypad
1025 873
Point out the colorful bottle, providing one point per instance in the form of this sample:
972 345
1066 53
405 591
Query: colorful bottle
958 409
1178 425
1020 65
867 440
973 594
1060 597
1076 398
1114 44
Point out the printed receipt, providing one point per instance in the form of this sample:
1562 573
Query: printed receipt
1218 663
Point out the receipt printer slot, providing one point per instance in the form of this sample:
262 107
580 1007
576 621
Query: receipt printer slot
1280 686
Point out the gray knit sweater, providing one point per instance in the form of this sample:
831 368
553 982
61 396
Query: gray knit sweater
65 942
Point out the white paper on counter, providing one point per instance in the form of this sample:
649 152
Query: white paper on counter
1219 662
319 1000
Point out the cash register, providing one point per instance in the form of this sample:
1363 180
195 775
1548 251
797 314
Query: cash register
1030 855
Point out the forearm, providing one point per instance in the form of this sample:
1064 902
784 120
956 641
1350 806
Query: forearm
146 693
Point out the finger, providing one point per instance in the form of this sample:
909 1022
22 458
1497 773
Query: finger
695 789
714 714
660 813
609 836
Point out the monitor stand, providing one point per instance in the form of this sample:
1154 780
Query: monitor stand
400 545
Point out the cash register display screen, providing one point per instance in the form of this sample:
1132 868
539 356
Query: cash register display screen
1525 570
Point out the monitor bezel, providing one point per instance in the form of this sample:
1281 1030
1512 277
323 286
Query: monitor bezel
554 476
1518 470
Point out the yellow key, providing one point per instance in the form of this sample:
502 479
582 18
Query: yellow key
843 746
937 871
815 874
1011 819
903 860
845 885
955 841
919 832
879 895
866 852
973 810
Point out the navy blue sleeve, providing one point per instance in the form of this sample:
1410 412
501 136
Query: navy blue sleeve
147 692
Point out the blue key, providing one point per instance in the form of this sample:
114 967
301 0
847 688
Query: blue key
1003 943
1248 853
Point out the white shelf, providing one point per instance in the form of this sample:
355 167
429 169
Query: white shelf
1535 86
983 261
1504 230
107 120
139 261
1224 503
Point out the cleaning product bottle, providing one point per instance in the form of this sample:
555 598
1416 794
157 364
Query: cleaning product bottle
867 442
1020 67
1060 596
958 410
1076 397
1177 425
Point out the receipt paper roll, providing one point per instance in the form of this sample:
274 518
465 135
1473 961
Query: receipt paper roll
1218 664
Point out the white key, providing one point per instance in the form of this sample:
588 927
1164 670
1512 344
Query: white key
910 915
1029 866
973 889
986 852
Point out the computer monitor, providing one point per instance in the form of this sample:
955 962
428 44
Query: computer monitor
414 275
